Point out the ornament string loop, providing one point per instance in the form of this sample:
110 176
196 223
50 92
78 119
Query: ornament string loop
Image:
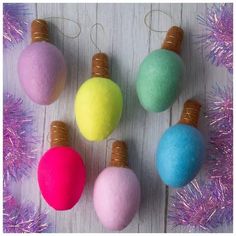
91 36
76 35
149 25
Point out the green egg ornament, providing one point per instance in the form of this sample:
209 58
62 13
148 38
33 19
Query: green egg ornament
159 80
98 102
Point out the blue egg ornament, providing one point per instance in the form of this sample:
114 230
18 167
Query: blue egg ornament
181 150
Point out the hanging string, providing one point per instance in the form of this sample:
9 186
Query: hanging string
76 35
91 37
149 26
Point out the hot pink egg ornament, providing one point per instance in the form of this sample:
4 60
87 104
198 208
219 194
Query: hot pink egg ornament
41 67
117 191
61 171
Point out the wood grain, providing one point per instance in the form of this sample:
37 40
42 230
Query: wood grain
126 40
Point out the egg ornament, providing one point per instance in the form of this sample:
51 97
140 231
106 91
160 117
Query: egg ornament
116 195
61 171
98 102
181 150
41 67
159 79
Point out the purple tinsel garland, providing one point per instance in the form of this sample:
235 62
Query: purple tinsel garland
202 205
18 158
18 218
19 153
218 41
220 115
210 204
14 24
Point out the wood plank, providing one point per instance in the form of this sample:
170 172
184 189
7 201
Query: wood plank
77 53
155 125
12 85
199 78
127 41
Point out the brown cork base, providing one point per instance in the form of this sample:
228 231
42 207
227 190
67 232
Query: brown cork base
119 154
39 31
59 134
173 39
190 113
100 67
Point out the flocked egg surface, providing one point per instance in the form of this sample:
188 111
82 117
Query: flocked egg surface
61 177
116 197
42 72
159 80
180 155
98 108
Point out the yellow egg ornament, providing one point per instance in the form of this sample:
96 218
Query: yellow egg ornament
98 102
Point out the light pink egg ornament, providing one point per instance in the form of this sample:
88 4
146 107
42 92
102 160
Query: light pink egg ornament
41 67
116 193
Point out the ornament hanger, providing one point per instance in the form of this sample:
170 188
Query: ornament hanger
59 134
149 26
91 36
76 35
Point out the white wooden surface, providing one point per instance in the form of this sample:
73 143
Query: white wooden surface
127 41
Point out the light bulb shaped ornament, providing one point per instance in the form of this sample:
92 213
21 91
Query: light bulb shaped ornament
41 67
181 150
159 79
116 193
98 102
61 171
